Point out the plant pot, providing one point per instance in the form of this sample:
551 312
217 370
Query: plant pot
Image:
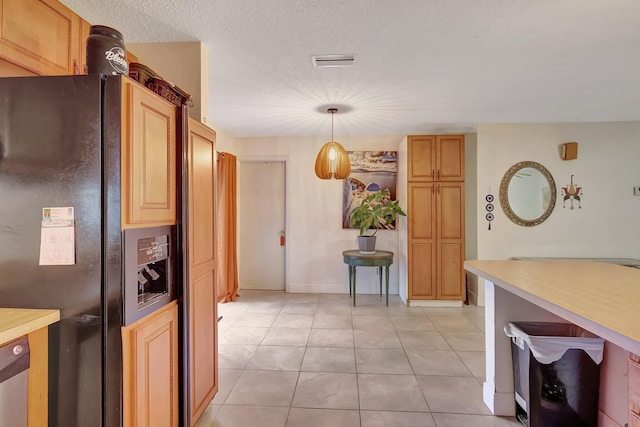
367 245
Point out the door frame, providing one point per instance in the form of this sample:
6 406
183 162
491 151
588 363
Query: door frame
285 160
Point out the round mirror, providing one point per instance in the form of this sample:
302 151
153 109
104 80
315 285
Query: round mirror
527 193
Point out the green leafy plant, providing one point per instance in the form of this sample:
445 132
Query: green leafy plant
376 211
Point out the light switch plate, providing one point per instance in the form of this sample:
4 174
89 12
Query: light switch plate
636 191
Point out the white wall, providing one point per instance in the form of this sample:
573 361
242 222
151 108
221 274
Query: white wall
471 202
183 64
315 238
403 237
224 142
607 169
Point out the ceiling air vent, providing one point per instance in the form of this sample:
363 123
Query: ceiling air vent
323 61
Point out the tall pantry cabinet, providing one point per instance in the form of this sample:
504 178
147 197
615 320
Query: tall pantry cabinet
200 297
435 217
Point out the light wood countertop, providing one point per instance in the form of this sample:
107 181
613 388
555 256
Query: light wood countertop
602 298
16 322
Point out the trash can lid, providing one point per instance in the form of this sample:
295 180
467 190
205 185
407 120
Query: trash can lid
548 349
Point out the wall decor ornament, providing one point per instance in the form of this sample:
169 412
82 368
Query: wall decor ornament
572 192
489 207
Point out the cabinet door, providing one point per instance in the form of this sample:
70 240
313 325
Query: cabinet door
422 157
150 370
82 60
421 215
436 157
450 238
201 300
40 36
148 158
450 158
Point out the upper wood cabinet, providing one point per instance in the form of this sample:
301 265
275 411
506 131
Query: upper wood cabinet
150 370
42 36
82 59
201 297
148 158
436 157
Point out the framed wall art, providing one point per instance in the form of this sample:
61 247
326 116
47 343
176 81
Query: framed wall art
371 171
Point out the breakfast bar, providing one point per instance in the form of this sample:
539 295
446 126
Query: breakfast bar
599 297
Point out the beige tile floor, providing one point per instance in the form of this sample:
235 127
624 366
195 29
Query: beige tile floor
313 360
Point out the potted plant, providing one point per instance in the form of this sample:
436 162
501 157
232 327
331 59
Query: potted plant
376 211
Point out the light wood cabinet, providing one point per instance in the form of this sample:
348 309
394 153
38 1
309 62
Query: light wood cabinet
634 390
436 240
201 297
41 36
148 158
435 217
150 370
435 157
82 60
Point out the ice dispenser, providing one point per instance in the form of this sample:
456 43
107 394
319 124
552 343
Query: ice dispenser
149 271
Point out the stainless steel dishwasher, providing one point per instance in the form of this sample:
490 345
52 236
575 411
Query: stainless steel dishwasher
14 366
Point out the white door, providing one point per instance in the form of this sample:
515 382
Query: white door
261 220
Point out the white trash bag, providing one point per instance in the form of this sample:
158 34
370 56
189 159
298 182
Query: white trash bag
547 347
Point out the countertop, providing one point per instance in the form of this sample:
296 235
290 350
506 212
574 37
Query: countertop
16 322
600 297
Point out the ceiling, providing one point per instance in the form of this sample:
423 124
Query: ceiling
421 66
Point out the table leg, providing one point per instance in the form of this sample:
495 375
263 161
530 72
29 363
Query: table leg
380 275
354 285
387 277
350 272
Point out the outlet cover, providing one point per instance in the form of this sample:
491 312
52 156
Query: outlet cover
636 191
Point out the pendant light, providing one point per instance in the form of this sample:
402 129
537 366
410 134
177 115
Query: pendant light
332 161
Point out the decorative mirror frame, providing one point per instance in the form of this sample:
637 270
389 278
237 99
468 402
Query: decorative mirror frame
504 194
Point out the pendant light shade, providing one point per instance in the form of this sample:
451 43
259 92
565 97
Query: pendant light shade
332 161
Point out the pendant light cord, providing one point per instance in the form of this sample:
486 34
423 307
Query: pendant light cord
332 113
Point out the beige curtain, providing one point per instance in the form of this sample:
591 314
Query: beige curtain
227 281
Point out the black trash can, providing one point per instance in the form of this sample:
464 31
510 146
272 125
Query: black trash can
556 372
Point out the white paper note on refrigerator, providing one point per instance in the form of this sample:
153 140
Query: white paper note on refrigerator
57 236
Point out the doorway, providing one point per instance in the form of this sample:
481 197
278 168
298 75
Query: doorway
261 225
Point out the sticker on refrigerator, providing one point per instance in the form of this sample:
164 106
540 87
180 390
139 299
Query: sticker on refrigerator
57 236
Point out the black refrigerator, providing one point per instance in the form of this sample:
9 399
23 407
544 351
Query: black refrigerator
60 147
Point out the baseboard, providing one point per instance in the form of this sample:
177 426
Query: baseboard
433 303
502 404
473 298
309 288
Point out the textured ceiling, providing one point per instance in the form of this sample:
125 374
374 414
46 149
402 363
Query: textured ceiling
421 65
